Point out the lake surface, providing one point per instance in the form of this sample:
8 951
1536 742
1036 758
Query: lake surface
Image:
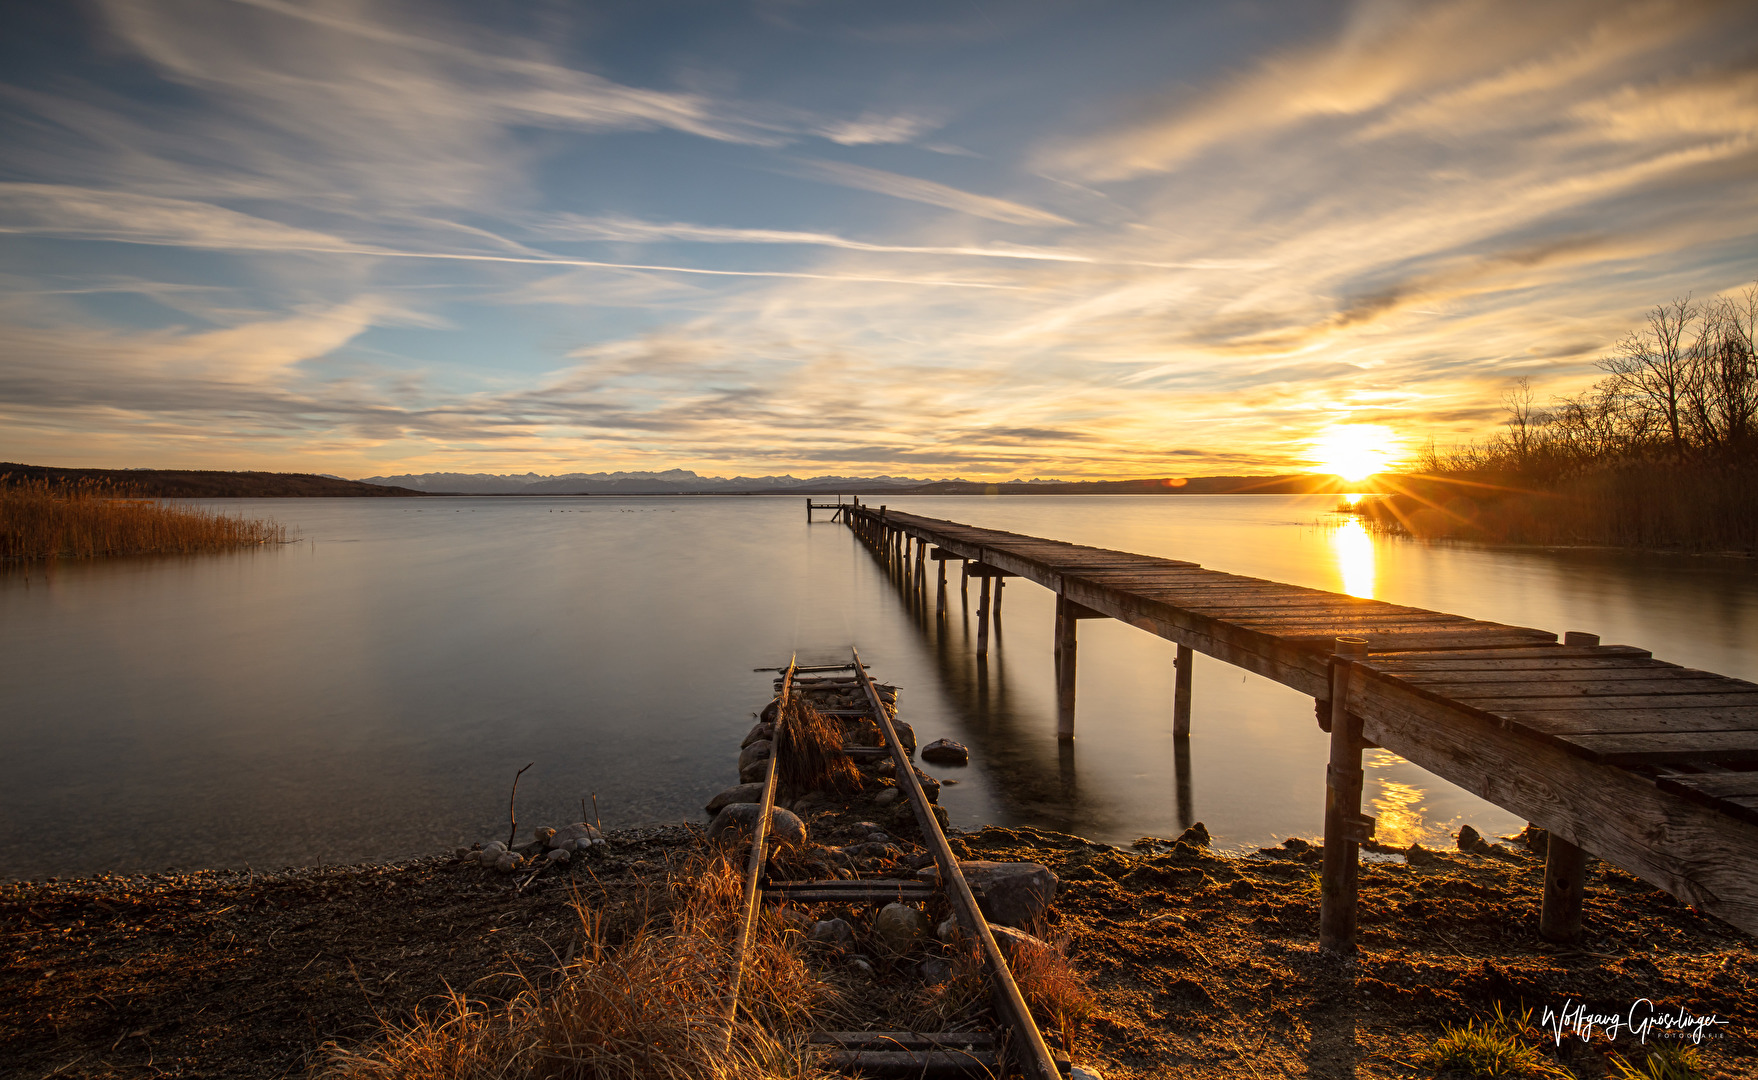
370 690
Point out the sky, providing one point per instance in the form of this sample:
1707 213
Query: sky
963 238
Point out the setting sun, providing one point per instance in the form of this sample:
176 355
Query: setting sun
1353 451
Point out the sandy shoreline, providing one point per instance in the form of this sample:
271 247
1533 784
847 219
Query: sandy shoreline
1202 963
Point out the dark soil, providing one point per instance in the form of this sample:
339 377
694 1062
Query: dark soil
218 974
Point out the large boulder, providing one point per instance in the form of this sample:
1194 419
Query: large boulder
946 752
1009 893
736 793
740 818
905 735
760 731
1013 943
930 786
900 927
757 751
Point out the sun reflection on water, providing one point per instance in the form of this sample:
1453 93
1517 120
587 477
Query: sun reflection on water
1353 547
1398 808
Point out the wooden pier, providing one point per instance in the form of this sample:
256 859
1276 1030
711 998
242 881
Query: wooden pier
1648 765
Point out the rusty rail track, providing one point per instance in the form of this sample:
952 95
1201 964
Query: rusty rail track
1020 1046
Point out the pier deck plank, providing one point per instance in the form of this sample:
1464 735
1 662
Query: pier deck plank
1603 745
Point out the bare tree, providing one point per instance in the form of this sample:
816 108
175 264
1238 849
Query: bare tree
1653 369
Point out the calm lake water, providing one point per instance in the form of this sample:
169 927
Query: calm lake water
369 691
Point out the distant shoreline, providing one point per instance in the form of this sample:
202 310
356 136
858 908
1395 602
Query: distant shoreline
217 484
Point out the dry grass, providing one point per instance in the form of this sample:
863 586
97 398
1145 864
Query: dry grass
1662 1061
644 998
43 520
1060 996
1503 1045
812 758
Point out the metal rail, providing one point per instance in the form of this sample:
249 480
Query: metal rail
759 851
1028 1046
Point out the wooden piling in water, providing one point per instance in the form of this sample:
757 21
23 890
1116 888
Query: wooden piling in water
1181 691
983 618
1345 827
1066 640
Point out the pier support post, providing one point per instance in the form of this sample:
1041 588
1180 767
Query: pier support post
964 577
940 585
1181 692
1000 583
1345 827
983 618
1565 866
1066 642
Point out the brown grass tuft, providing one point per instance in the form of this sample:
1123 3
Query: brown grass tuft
1059 996
810 745
648 1002
42 520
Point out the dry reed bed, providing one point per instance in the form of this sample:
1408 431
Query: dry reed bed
44 520
1656 506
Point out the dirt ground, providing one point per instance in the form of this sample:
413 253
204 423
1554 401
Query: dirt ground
1203 964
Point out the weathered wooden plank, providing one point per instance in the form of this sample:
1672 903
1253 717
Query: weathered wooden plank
1611 666
1658 684
1392 642
1548 650
1630 721
1719 785
1723 718
1701 856
1656 747
1515 706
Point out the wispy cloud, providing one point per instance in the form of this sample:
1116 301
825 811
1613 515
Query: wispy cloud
916 189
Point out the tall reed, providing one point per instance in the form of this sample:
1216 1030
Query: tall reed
40 519
1632 504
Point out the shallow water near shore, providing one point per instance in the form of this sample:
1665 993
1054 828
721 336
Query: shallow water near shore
369 690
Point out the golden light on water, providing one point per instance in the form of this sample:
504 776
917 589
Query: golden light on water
1398 808
1353 451
1353 547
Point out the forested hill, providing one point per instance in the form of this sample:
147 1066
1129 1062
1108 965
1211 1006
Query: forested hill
205 484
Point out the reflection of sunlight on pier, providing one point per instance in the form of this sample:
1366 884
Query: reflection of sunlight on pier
1398 809
1353 548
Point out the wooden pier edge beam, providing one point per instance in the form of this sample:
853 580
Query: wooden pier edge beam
1032 1054
1345 827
